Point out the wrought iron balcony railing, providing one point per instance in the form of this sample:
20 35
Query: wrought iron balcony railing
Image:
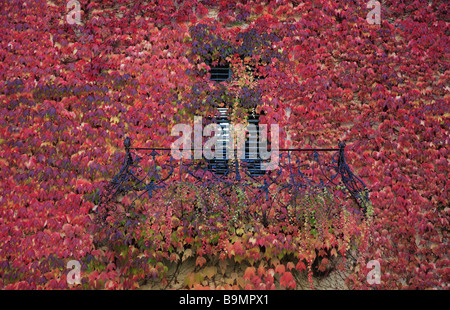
148 171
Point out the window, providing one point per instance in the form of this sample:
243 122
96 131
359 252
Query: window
219 165
220 73
252 158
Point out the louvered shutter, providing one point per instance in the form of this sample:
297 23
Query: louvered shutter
253 162
219 164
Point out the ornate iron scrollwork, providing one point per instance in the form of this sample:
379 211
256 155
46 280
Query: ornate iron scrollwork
146 171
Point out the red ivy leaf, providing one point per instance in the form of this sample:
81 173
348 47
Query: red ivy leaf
287 280
200 261
249 273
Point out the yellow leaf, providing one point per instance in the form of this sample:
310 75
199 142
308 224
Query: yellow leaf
241 282
223 266
198 277
274 261
210 271
187 254
333 252
189 280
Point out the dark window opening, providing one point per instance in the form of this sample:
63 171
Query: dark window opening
220 72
